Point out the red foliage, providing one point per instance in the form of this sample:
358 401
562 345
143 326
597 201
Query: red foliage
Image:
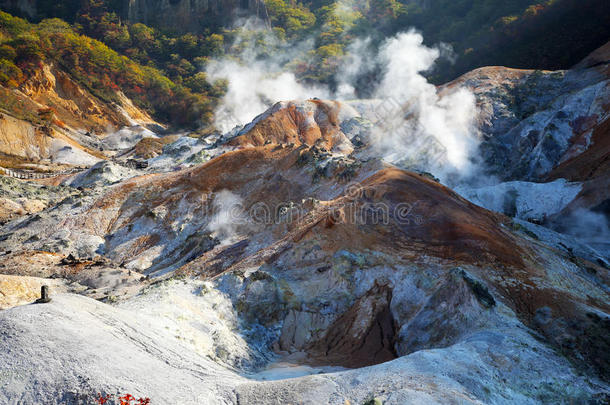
102 400
126 399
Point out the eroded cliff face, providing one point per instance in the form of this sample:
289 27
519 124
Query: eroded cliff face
51 120
543 126
192 15
55 89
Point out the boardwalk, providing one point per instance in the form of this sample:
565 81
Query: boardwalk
29 174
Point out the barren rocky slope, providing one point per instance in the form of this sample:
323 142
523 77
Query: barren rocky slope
289 248
52 123
543 126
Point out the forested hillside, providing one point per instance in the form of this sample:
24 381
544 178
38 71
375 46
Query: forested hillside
162 69
97 67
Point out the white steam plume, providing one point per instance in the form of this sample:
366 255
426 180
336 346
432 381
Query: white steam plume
358 60
589 226
428 130
228 217
253 88
415 126
257 83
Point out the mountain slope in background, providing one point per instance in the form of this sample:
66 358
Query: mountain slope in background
65 125
63 93
540 34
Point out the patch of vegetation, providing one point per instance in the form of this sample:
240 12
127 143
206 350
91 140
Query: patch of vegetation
163 70
429 176
520 228
148 148
260 275
543 34
24 47
200 157
17 106
349 171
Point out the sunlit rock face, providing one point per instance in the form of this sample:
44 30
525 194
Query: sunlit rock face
191 15
548 127
80 127
310 123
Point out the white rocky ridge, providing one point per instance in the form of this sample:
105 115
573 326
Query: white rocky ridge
185 152
524 200
126 137
63 153
180 342
101 174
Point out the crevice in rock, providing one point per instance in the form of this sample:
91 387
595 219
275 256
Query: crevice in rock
364 335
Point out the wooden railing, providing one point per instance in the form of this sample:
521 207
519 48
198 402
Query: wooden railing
29 174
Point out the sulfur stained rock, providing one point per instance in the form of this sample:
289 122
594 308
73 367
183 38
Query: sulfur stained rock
20 290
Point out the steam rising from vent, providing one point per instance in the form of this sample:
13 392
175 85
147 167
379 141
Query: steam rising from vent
253 88
228 217
258 79
439 128
359 60
414 125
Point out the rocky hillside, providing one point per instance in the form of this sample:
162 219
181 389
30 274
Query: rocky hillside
547 127
68 101
288 260
65 97
302 278
56 124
